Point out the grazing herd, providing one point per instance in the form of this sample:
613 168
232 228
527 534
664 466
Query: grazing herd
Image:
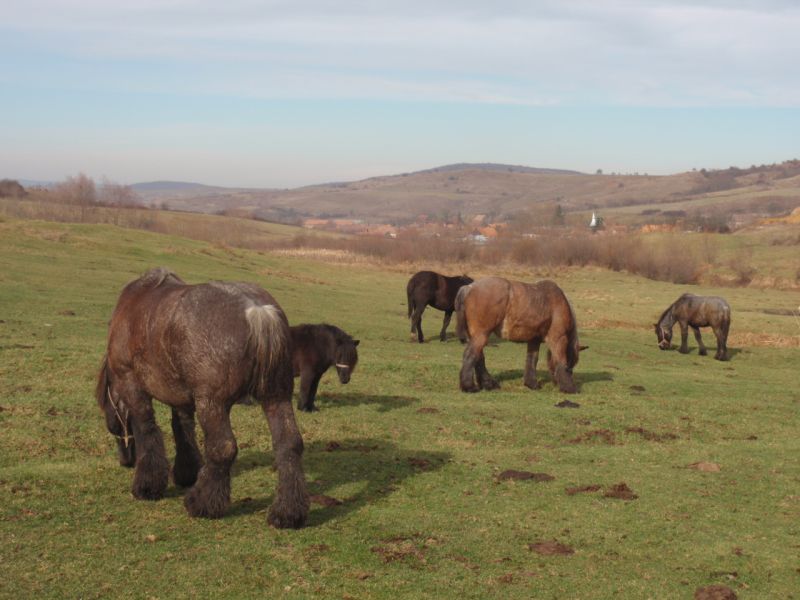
202 348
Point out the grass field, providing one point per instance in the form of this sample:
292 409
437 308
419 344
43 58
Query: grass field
414 462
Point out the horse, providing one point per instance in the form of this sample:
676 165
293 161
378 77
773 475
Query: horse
519 312
427 287
199 349
315 348
696 312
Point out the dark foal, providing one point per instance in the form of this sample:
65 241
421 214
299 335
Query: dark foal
199 349
531 313
696 312
316 348
427 287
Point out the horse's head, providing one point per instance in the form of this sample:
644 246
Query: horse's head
118 423
664 336
346 359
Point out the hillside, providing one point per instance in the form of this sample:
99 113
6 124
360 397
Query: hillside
499 191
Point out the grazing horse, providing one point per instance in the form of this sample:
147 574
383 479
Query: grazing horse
696 312
315 348
199 349
519 312
427 287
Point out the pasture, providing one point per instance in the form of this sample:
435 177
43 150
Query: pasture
405 468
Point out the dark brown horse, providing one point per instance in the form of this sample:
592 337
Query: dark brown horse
427 287
316 348
519 312
199 349
696 312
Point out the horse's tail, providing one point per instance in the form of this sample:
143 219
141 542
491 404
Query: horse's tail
101 389
461 315
270 344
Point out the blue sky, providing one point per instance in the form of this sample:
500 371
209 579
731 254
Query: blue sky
282 94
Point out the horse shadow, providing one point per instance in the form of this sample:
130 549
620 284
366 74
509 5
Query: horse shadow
581 377
384 403
379 465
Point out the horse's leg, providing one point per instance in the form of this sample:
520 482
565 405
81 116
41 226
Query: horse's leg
416 322
290 507
312 391
721 333
701 347
684 349
211 495
443 334
306 399
187 455
486 381
472 353
557 361
152 468
531 359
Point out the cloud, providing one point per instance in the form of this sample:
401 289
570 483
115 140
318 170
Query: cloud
648 53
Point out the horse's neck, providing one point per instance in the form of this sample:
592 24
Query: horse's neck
668 319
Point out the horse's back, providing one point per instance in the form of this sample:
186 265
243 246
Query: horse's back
174 338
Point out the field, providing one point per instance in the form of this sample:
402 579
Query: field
708 449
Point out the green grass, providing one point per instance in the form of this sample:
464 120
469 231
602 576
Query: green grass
422 515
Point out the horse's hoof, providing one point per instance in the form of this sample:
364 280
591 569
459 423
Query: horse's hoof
148 492
534 386
470 389
200 504
281 519
702 352
491 385
683 350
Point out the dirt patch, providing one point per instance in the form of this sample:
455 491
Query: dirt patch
581 489
567 404
715 592
705 467
422 464
620 491
551 548
603 435
428 410
403 548
512 474
651 435
324 500
67 313
333 447
637 388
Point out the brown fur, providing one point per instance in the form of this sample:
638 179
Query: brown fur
199 349
519 312
439 291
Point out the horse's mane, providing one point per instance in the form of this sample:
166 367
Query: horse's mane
664 314
155 277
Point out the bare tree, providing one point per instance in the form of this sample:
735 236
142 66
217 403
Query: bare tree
117 194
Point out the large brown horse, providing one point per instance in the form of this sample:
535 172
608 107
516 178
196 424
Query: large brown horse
199 349
519 312
428 287
696 312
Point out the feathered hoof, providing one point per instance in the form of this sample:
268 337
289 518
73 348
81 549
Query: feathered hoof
282 517
489 385
206 504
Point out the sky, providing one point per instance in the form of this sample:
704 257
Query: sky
290 93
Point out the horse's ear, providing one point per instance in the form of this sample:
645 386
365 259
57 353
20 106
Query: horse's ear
356 342
582 348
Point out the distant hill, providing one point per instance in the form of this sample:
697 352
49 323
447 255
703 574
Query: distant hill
498 167
496 190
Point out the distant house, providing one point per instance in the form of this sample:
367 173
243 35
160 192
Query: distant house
596 222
